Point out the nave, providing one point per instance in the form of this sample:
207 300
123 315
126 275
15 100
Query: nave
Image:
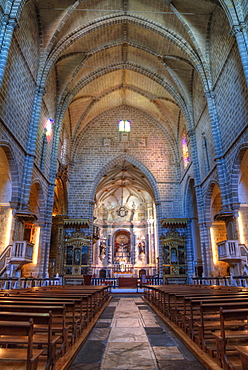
129 335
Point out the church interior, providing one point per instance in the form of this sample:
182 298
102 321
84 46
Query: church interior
123 142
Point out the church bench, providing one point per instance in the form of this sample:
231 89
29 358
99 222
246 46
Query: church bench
173 304
191 312
158 295
210 322
47 339
243 354
230 336
59 327
88 305
26 355
74 308
100 293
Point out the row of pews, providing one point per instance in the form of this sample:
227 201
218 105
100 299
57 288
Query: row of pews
214 318
39 326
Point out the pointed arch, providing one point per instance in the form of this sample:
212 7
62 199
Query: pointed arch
132 160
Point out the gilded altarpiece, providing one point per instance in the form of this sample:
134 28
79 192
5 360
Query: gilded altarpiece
76 247
56 258
173 245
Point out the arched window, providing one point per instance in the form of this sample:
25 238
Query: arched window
185 149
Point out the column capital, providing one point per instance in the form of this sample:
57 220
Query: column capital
210 94
10 21
40 90
237 28
191 133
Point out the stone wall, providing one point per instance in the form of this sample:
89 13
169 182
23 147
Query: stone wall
146 145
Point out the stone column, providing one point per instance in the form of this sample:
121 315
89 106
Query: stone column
31 147
189 251
6 34
205 244
219 158
240 33
158 233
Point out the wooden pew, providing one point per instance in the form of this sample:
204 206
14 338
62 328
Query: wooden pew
47 339
73 318
87 307
243 354
59 320
192 309
233 332
26 355
210 321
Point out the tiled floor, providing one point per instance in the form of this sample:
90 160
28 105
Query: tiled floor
129 335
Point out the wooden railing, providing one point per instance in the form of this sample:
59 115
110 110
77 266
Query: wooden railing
15 283
114 282
225 280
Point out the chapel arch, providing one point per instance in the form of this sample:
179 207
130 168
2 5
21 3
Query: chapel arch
5 199
125 217
243 198
33 228
218 233
60 198
60 205
192 215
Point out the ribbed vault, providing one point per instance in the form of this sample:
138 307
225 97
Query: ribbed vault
86 40
125 53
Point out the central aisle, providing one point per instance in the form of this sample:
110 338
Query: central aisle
129 335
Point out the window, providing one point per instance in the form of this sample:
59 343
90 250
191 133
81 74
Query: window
124 126
185 150
205 152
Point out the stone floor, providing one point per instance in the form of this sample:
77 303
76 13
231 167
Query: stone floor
129 335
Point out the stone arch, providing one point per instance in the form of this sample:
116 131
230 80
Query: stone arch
108 20
234 178
17 7
37 201
131 88
33 229
133 161
194 254
60 198
13 171
132 67
208 199
217 229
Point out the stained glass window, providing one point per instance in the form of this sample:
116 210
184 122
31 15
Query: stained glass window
185 150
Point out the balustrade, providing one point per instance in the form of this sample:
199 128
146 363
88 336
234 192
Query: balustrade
229 251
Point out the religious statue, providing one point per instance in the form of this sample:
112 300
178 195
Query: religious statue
122 253
141 247
142 252
103 249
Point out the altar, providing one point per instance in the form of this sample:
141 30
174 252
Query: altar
123 274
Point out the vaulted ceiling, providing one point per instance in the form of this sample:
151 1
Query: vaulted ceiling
137 53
